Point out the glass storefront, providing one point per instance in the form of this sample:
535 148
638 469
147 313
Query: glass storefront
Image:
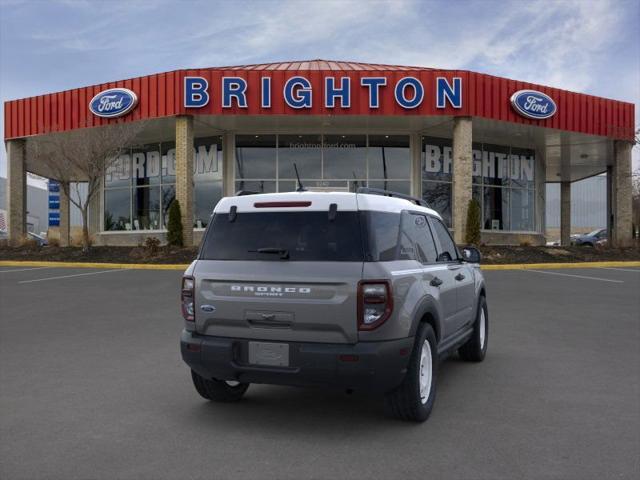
265 163
140 185
503 183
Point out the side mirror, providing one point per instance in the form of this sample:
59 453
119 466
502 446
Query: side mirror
471 254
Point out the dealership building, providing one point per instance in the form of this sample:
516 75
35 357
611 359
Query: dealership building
443 135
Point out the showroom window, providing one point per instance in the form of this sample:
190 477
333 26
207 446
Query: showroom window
140 185
265 163
503 183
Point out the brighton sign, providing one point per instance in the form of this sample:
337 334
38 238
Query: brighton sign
113 103
298 93
533 104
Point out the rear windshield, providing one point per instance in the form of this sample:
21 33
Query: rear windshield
284 236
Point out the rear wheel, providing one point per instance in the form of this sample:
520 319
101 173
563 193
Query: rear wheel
218 390
413 399
476 347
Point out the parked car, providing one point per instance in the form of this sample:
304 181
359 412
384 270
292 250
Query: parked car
41 240
362 291
591 239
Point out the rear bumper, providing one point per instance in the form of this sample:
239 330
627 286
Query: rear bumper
380 366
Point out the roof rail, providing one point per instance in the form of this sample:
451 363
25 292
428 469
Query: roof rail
389 193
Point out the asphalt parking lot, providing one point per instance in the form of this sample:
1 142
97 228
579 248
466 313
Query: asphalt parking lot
92 387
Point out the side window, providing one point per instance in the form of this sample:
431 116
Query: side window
381 231
448 251
416 241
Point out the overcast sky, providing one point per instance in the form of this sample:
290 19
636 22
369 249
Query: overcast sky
581 45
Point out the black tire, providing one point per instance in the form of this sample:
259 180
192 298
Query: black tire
405 402
474 350
218 390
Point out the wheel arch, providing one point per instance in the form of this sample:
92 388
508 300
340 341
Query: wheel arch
428 313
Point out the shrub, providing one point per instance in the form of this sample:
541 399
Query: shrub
473 223
28 243
174 226
152 246
525 243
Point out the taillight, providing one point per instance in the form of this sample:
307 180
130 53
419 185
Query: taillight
375 303
186 298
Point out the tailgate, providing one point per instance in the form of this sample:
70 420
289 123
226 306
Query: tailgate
278 300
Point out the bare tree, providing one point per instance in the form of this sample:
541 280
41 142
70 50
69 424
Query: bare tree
82 156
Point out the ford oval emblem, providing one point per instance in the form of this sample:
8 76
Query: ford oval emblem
208 308
114 102
533 104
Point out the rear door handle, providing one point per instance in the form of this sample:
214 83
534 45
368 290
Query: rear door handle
459 277
436 282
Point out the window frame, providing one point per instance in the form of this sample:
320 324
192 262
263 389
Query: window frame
439 247
430 232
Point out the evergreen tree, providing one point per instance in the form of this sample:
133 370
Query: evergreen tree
473 223
174 227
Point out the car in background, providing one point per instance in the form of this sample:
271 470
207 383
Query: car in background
39 239
591 239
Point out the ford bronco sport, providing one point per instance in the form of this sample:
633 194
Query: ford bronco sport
361 290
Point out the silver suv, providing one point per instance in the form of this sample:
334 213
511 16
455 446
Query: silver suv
361 291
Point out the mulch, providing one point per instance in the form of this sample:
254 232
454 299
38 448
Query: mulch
495 255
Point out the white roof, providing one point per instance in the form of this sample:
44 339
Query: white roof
320 201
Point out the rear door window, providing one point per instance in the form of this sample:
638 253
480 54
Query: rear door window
304 236
447 251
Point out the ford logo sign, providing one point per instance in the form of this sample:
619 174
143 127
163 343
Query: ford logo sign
533 104
114 102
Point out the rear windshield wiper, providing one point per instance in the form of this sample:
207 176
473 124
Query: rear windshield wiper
283 252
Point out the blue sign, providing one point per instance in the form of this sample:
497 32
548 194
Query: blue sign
54 219
54 187
114 102
533 104
54 203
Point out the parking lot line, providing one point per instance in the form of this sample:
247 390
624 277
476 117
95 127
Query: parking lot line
577 276
70 276
23 269
622 269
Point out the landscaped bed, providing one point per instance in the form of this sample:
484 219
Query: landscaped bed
497 255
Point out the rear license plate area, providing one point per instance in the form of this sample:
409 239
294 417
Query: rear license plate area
269 354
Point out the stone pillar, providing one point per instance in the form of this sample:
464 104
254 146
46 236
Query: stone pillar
16 191
184 174
228 164
65 216
565 213
621 183
610 200
462 175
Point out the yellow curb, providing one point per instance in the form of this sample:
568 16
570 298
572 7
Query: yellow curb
525 266
183 266
132 266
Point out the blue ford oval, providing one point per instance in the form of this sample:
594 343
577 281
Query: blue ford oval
533 104
114 102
